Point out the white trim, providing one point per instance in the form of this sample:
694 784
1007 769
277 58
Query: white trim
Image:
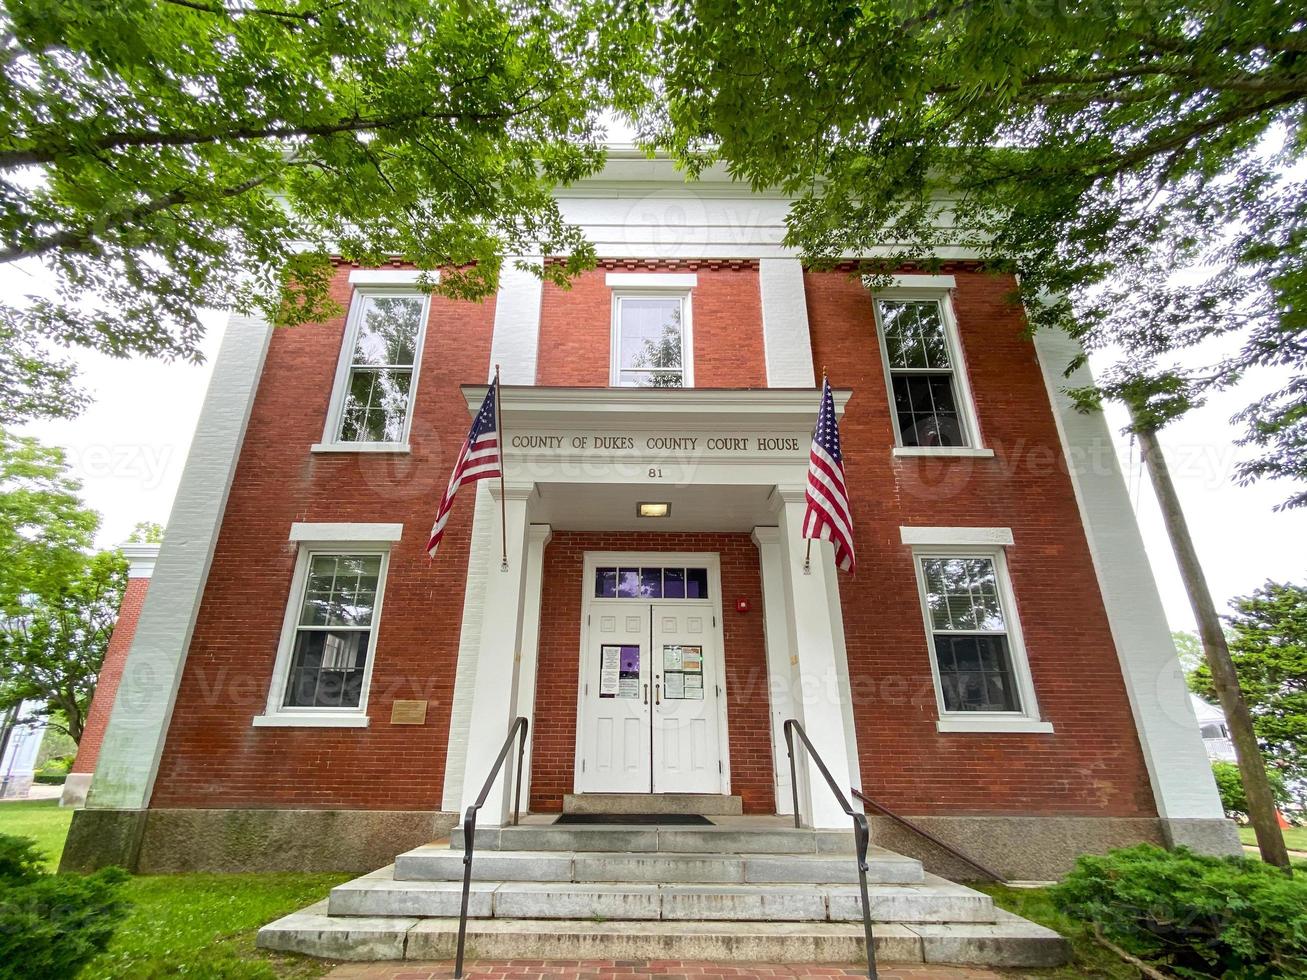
141 558
972 452
651 280
922 282
277 714
996 725
615 336
331 441
337 534
987 721
392 277
961 537
359 447
138 726
710 560
516 340
786 337
966 402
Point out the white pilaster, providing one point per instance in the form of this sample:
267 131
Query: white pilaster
537 537
787 343
495 696
138 726
826 707
781 661
1181 775
516 341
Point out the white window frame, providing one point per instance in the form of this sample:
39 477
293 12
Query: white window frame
655 290
938 290
363 290
1028 719
345 539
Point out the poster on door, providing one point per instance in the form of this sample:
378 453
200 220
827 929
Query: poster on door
682 672
619 672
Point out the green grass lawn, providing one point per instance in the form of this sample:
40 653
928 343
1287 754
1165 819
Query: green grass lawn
194 925
1295 838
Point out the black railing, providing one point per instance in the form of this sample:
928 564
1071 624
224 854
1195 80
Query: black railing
861 833
518 731
916 828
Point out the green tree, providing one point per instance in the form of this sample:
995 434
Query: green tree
146 532
1269 647
45 529
1230 785
172 155
53 645
1094 149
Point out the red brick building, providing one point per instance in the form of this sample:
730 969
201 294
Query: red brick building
305 688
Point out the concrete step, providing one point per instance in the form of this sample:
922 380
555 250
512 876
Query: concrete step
715 839
434 862
930 900
1008 941
704 804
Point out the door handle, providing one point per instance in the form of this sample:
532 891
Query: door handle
657 698
646 694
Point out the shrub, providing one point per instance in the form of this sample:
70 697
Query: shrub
1199 916
51 925
1230 785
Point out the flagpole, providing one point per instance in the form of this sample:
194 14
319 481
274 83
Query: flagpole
503 519
807 555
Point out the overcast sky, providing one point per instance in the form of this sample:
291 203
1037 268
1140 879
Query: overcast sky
129 447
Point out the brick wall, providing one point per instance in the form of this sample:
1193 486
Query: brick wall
554 742
726 323
213 756
1092 764
111 672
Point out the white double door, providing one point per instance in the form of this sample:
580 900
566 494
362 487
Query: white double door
649 718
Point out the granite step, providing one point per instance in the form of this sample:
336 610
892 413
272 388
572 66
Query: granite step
1006 942
704 804
932 899
437 863
717 839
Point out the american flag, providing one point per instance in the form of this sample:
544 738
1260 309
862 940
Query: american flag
828 517
479 458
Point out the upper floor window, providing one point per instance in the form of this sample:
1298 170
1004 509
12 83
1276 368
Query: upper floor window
651 340
373 400
928 389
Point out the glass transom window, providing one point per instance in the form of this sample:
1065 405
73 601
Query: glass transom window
969 633
650 342
333 631
613 582
922 372
379 386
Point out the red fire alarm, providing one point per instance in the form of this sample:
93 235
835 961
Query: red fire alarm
742 605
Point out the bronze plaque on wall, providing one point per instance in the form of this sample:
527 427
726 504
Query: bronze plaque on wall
408 713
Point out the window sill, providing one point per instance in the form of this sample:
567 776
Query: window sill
964 451
981 726
283 720
359 447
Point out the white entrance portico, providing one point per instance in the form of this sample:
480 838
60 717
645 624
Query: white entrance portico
722 461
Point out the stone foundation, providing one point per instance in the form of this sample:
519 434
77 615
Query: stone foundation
170 841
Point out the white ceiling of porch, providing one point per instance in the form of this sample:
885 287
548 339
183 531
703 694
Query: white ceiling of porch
612 507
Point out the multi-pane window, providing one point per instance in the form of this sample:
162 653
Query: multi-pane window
650 349
333 631
923 373
970 634
386 334
651 583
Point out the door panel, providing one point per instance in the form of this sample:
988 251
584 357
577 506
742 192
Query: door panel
615 701
685 667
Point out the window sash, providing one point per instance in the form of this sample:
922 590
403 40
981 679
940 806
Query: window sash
670 375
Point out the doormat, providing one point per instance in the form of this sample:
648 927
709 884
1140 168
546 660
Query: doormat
640 819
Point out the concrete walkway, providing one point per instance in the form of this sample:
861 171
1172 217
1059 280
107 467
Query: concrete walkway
648 970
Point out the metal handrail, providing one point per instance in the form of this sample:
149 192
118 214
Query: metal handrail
861 832
922 831
518 731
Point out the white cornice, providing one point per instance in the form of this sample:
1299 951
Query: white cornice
140 559
527 406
